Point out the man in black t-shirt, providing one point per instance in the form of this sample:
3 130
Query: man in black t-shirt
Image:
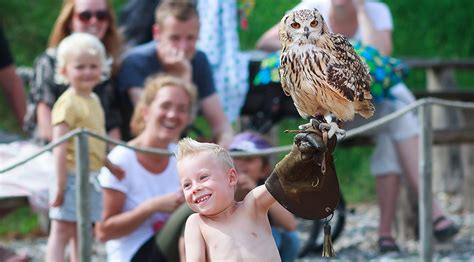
173 51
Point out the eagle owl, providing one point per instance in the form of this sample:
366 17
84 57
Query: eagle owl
320 70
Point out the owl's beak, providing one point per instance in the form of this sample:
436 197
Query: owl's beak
306 31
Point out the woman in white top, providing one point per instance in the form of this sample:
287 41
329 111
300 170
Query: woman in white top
136 207
396 143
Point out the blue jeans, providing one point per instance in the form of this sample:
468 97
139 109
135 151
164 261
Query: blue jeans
288 243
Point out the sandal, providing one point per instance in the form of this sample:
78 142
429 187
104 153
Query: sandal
446 233
387 244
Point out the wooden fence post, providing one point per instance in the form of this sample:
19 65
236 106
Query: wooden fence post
84 227
447 169
425 190
467 155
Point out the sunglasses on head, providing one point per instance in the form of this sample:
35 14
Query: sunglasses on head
86 16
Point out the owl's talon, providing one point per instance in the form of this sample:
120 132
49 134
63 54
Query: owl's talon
305 126
314 122
332 128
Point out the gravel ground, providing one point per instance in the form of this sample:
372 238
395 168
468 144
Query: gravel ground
357 242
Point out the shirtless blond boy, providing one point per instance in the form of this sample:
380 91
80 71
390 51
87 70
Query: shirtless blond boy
222 229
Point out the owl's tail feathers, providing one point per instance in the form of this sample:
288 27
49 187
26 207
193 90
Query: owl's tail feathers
365 108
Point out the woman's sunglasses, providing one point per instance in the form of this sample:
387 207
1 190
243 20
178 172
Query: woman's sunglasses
86 16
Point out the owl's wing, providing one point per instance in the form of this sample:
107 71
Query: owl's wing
284 72
346 72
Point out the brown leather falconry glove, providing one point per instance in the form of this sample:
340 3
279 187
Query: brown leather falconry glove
305 181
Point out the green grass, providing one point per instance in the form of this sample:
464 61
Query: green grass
266 14
438 30
20 222
353 171
8 119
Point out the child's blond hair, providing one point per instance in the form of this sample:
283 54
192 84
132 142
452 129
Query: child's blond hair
152 86
79 42
188 146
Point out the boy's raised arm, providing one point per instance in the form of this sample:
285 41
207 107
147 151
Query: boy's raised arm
263 199
195 247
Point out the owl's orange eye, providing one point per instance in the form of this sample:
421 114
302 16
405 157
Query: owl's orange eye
295 25
314 23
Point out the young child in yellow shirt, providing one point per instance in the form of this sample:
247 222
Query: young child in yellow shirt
81 64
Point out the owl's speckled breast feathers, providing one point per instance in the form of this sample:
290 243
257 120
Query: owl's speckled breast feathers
320 70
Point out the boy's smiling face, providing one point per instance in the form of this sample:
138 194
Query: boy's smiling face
208 187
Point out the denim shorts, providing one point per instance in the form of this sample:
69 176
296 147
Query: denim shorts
67 211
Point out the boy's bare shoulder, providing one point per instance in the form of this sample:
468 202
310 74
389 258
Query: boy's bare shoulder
193 222
194 218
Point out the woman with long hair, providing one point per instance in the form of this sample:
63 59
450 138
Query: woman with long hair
95 17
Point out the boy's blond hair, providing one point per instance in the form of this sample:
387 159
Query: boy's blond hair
152 86
79 42
188 146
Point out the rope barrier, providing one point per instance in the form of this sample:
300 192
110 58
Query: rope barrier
381 121
274 150
44 149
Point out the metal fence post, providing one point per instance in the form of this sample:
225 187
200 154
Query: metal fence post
424 192
84 227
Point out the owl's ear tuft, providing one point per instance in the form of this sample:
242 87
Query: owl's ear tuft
285 19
